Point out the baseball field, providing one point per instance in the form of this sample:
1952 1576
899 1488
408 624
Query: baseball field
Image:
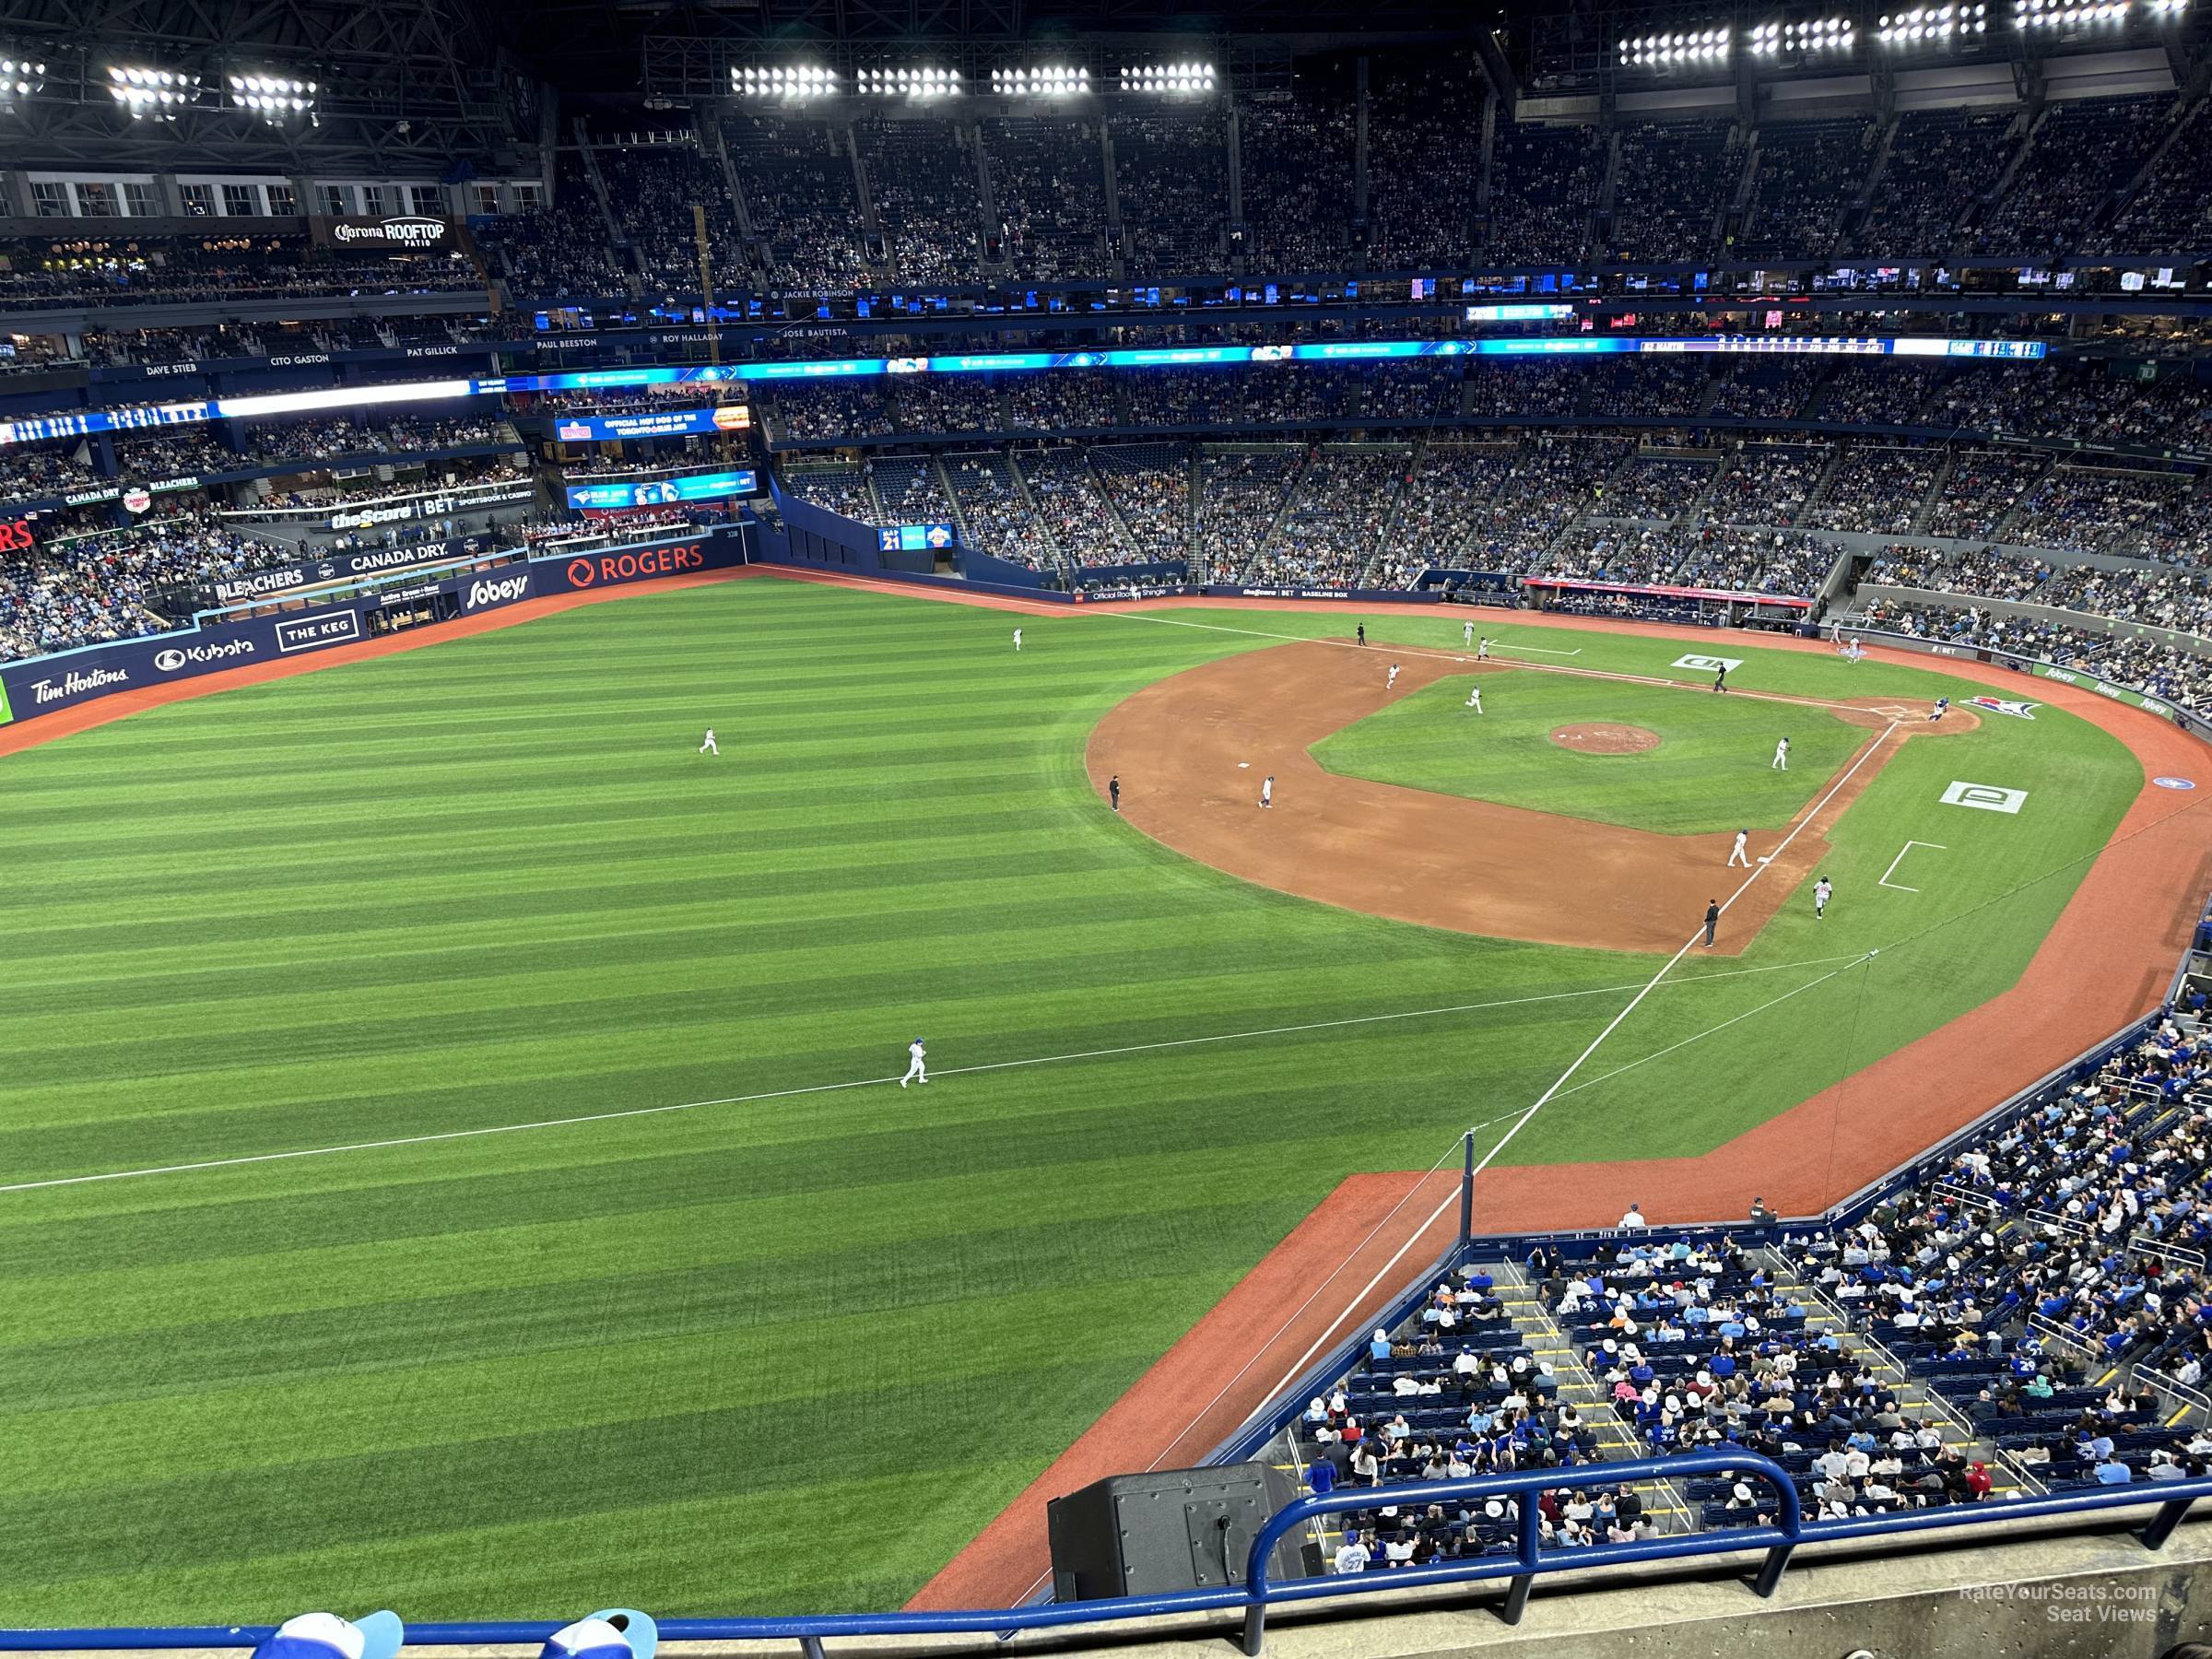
449 1153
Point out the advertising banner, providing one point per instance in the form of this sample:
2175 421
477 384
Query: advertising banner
45 685
615 496
914 538
494 590
651 423
388 233
619 566
369 515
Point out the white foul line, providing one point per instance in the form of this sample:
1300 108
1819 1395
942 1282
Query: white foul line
1908 847
1526 1118
811 1089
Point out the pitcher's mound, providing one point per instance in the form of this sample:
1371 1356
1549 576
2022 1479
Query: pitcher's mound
1605 739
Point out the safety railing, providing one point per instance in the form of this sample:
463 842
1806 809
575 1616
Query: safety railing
1776 1540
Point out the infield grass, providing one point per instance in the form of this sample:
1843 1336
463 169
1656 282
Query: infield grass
773 1354
1711 771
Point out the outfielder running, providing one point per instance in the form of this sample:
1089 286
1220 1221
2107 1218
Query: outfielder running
1737 855
916 1071
1392 683
1475 699
708 747
1782 757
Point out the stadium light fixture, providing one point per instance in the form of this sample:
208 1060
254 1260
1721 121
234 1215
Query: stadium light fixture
784 81
2066 13
1931 24
20 78
159 92
924 83
1051 81
1821 34
1664 51
2167 8
272 97
1168 78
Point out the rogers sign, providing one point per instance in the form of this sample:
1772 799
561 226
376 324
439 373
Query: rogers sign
608 569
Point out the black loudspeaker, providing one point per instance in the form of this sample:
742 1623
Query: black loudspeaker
1173 1529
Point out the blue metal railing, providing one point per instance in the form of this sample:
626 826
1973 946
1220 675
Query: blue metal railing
1779 1540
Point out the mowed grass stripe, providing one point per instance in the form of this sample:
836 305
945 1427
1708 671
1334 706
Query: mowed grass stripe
492 882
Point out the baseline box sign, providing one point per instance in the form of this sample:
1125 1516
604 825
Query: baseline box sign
653 423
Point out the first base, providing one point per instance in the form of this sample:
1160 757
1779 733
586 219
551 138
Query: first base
1766 858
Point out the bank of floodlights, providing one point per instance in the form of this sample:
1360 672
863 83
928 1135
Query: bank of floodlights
1823 34
2066 13
1664 51
923 83
272 97
785 81
156 92
1168 78
1052 81
1932 25
20 78
2167 8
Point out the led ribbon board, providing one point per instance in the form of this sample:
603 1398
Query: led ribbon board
35 428
659 493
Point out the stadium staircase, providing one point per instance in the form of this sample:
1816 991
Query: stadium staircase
1415 458
2190 110
2024 142
1855 210
749 240
1664 1504
1021 488
1282 513
615 236
1915 1399
1113 508
952 501
1926 508
1190 525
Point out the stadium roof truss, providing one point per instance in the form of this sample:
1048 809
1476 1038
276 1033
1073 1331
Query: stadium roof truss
402 86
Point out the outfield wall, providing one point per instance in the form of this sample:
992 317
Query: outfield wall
216 642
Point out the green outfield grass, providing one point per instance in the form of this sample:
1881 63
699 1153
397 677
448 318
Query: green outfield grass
1713 768
775 1353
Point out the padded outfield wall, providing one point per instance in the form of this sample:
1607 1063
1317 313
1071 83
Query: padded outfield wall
48 685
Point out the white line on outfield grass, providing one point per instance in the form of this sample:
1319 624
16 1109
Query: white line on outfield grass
1527 1117
814 1088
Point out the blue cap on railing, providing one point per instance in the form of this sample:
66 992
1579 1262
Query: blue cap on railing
616 1633
326 1636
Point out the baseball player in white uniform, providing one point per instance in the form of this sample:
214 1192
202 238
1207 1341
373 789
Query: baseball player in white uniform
1392 683
1017 639
1267 791
708 747
1467 633
916 1071
1737 855
1482 650
1782 757
1822 891
1475 699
